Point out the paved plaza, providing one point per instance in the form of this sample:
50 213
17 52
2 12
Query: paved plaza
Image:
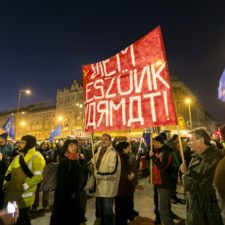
143 203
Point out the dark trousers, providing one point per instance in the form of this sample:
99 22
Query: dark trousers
83 202
156 203
123 206
104 210
24 217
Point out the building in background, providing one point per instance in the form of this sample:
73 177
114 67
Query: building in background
41 118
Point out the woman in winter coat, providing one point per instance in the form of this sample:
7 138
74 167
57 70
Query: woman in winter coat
123 203
66 208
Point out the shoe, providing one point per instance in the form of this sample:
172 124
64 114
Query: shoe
176 217
182 201
84 219
47 208
176 200
157 222
37 210
97 221
131 218
135 213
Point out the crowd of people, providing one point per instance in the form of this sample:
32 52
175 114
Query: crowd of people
73 167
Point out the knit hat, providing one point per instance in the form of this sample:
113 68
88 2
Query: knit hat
4 135
159 138
31 142
163 135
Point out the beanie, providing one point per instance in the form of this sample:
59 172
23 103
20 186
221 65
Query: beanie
31 142
159 138
4 135
163 135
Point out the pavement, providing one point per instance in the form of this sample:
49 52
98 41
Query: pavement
143 202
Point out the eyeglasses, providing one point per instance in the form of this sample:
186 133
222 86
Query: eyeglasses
23 142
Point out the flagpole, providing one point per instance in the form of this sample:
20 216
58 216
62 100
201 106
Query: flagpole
181 146
151 150
92 144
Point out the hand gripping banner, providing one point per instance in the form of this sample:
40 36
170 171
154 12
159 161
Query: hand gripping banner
131 89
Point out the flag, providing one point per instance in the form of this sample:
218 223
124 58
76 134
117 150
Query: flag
9 128
146 138
221 89
55 132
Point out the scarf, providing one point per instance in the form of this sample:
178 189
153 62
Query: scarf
72 156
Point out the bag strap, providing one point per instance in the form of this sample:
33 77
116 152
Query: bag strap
24 167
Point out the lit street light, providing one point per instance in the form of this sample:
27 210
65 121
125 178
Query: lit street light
18 107
188 102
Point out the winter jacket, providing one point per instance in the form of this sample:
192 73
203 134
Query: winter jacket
108 174
202 205
162 167
19 187
66 208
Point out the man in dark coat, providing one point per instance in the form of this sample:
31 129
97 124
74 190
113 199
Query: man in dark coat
202 205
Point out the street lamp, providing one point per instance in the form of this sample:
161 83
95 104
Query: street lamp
188 102
18 107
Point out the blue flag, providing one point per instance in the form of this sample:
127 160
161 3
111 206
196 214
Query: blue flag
146 137
55 132
221 89
9 127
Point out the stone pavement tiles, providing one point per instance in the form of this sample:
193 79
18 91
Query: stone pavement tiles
144 204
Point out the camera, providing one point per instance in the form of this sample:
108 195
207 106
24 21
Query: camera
11 208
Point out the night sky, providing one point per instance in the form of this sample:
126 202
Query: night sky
44 43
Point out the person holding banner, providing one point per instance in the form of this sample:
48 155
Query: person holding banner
202 205
107 172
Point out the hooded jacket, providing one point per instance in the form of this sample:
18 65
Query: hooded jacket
20 187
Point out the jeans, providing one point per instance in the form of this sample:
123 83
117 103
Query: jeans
165 206
104 210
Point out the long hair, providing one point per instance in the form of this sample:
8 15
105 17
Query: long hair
67 143
122 145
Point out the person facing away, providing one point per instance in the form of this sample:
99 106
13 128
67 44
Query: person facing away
66 206
22 177
107 172
202 206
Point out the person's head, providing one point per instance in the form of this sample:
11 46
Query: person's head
174 138
199 140
163 135
27 142
45 145
158 141
80 141
3 139
70 146
123 147
222 131
61 142
106 140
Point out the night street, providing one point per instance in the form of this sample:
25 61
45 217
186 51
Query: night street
143 203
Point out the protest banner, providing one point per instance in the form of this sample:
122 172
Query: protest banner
131 89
